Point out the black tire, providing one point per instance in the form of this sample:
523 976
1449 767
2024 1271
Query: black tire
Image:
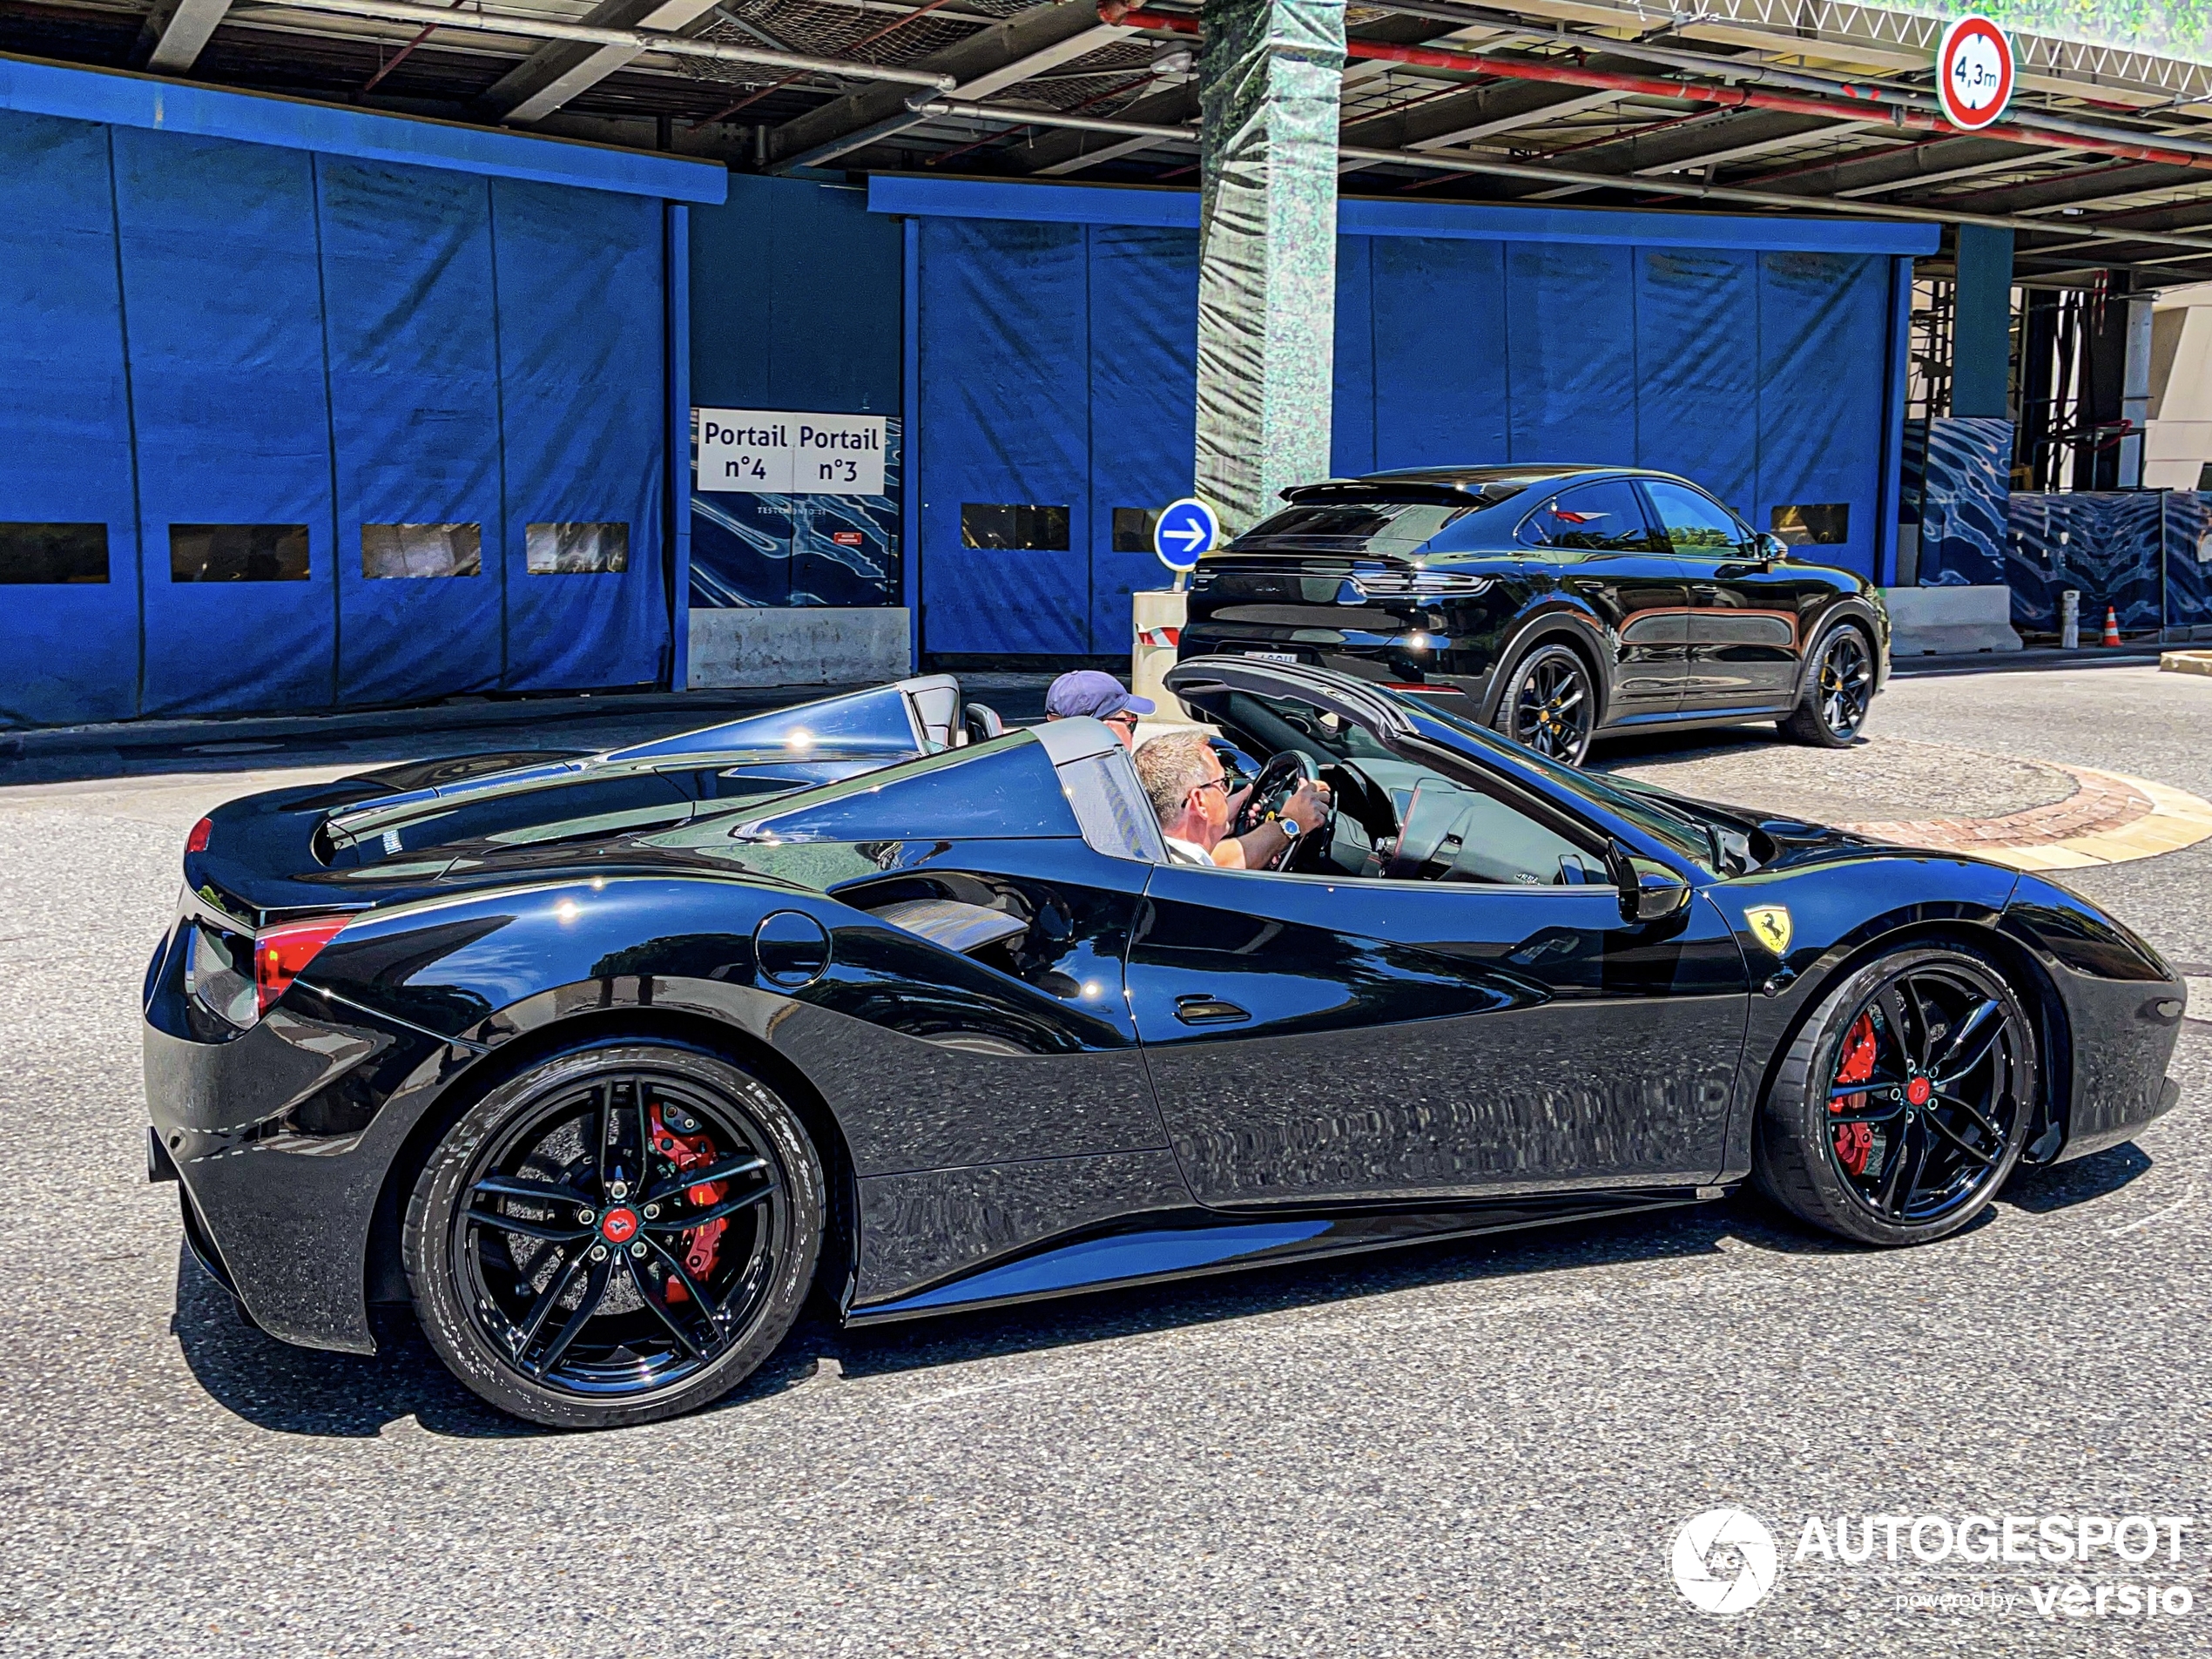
1550 703
1838 691
1946 1052
677 1315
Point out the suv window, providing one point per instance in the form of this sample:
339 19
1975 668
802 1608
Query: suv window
1382 527
1695 522
1605 518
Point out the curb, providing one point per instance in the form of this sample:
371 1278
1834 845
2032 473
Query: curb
2020 662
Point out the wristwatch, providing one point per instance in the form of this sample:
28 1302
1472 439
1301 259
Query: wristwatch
1289 827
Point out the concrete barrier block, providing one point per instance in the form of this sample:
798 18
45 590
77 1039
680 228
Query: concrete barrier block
802 646
1157 615
1927 621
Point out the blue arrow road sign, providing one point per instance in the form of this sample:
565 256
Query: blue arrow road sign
1185 529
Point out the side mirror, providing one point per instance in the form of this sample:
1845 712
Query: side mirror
1650 892
1772 546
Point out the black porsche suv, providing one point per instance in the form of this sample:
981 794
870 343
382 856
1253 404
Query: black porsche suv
1563 603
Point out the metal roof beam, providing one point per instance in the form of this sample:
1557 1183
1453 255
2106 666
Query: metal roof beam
1884 165
1027 43
2004 163
1070 152
175 32
1692 144
1756 147
2083 185
557 72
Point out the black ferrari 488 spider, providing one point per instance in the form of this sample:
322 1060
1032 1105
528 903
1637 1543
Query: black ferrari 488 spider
604 1063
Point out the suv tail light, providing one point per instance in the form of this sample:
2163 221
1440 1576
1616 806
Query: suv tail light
282 953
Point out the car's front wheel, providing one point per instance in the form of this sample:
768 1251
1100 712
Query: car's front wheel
1903 1104
1838 693
618 1234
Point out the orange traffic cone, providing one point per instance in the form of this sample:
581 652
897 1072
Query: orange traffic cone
2112 627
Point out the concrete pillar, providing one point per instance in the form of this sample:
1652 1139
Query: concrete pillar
2134 392
1982 322
1269 81
2178 450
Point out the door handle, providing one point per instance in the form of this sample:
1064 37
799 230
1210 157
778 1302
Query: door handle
1705 589
1202 1009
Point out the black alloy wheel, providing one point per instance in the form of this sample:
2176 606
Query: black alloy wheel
619 1234
1839 693
1903 1106
1550 703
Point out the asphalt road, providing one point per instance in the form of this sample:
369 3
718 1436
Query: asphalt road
1473 1448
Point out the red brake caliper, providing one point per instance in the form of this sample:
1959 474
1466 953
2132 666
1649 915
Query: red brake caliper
1854 1142
703 1244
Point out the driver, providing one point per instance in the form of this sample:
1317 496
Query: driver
1183 777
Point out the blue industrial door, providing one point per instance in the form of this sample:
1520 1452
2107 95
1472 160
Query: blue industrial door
415 402
1056 361
69 599
580 341
289 430
1006 407
1058 366
223 297
1143 409
1820 432
1698 387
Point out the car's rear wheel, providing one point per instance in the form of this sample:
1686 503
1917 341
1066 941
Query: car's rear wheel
1550 702
1902 1106
1838 693
620 1233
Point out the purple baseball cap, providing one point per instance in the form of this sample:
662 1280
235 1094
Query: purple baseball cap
1089 691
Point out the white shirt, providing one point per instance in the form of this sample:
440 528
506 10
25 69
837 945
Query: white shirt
1181 851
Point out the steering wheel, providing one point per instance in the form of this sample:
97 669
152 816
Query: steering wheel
1270 792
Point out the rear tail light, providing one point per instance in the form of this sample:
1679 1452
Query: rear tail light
282 953
197 841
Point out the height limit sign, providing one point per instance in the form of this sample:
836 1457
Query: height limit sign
778 452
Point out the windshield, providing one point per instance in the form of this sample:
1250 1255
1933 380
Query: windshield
1659 816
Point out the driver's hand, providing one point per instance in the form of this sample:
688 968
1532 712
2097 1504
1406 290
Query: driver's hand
1309 805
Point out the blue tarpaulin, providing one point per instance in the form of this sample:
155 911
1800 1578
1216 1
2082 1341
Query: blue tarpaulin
1006 420
1695 384
71 651
1055 365
1144 403
356 431
415 389
223 295
580 339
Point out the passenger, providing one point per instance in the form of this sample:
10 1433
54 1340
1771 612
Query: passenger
1087 691
1183 779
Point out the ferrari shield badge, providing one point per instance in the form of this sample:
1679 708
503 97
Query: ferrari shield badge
1771 927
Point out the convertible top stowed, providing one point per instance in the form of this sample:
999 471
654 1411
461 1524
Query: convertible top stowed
604 1063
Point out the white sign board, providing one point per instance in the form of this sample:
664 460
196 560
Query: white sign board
778 452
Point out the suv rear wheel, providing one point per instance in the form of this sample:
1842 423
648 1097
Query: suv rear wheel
1550 703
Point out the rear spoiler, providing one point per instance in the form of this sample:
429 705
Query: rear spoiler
1354 491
